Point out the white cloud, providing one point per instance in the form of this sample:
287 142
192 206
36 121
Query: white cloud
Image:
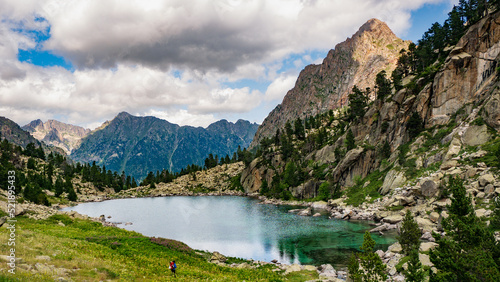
206 34
125 54
182 117
280 86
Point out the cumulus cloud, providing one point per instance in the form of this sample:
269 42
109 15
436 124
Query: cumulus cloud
169 58
182 117
88 95
280 86
206 34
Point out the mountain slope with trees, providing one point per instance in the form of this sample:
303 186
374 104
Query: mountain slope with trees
139 145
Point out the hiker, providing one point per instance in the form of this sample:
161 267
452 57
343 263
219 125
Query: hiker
172 267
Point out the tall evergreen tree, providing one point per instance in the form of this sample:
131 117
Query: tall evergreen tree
383 85
357 104
350 142
409 234
370 266
468 251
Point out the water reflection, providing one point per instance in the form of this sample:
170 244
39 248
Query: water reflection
239 227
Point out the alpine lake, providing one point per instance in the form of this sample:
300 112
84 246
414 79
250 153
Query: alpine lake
240 227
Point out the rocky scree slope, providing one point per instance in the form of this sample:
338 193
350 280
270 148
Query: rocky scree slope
319 88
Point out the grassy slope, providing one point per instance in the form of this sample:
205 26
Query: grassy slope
98 253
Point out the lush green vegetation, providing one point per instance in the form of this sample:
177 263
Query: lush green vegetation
36 171
468 251
117 254
367 265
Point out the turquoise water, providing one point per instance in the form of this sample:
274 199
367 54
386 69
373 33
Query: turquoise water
239 227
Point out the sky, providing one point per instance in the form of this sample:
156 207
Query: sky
191 62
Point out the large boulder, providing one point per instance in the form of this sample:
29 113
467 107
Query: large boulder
217 258
476 135
251 179
327 271
429 188
392 180
306 190
491 113
351 157
486 179
325 154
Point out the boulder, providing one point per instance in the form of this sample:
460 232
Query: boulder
491 113
320 205
449 164
317 214
305 212
292 268
217 258
393 219
384 227
425 260
392 180
426 246
336 202
327 271
244 265
429 188
434 217
427 236
489 189
482 212
309 267
486 179
476 135
454 148
405 201
424 224
395 248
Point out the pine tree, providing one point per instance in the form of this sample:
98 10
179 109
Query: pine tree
383 85
357 104
415 273
299 129
409 234
372 267
415 125
59 187
468 251
350 142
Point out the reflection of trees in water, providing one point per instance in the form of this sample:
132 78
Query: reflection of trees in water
324 248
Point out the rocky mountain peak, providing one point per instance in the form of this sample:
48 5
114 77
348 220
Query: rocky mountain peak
319 88
59 134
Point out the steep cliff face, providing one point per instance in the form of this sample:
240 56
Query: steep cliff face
53 132
319 88
468 74
456 107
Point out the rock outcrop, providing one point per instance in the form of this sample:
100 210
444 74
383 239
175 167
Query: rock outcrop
59 134
468 73
319 88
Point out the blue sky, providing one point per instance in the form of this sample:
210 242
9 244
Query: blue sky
228 59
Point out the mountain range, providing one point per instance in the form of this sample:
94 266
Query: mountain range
138 145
